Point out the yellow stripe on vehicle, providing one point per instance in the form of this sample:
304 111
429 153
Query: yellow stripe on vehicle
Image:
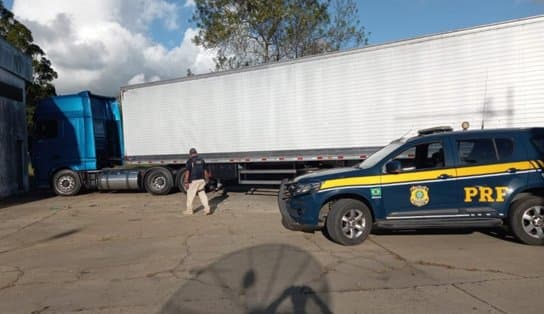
535 164
541 163
434 174
370 180
388 178
492 169
417 176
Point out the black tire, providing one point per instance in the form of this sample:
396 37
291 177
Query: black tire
349 222
179 181
527 220
210 185
158 181
287 226
66 183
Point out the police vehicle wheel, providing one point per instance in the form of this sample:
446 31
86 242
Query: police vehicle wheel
158 181
527 220
66 183
349 222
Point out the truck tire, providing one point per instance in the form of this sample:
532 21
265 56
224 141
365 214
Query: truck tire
66 183
527 220
158 181
349 222
179 181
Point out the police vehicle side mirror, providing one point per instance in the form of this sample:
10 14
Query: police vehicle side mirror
393 166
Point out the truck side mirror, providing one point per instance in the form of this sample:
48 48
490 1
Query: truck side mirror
393 166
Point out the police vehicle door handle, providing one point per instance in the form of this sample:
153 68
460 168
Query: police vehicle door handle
444 176
512 170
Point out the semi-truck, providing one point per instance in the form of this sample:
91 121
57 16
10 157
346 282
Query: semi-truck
258 125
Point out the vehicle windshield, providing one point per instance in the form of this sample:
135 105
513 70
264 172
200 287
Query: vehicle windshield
379 155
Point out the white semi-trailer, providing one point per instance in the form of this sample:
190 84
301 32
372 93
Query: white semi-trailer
260 124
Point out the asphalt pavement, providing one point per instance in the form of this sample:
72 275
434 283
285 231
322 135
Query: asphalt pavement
137 253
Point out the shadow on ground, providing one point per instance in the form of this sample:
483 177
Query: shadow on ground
270 278
32 196
61 235
217 198
265 190
423 232
501 233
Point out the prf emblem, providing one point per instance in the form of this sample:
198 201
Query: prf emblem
485 194
419 195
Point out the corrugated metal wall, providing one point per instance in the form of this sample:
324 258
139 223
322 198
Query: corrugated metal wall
13 132
14 61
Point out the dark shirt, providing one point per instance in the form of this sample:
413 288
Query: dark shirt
196 167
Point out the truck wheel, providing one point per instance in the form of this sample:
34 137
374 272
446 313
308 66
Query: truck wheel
349 222
527 220
66 183
158 181
179 181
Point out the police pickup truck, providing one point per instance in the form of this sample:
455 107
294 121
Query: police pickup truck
438 179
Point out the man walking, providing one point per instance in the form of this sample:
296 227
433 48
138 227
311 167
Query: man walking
195 182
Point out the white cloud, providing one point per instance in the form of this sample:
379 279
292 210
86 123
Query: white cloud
140 78
137 79
189 3
102 45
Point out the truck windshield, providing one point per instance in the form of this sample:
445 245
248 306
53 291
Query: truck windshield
379 155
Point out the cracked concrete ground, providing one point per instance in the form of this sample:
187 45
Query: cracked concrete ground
137 253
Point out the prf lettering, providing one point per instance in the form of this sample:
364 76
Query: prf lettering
485 193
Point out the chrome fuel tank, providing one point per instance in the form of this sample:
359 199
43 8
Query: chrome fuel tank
119 179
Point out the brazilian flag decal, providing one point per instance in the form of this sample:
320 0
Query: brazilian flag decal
376 192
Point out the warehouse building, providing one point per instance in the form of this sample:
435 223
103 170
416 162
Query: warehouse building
15 71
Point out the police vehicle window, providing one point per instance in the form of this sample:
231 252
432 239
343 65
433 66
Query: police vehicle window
477 151
435 153
379 155
422 156
505 148
539 144
46 129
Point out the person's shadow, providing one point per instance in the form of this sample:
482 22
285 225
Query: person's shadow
216 199
298 295
271 278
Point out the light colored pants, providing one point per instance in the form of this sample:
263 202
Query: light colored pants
197 187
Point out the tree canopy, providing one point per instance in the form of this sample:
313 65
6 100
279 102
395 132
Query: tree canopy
252 32
20 37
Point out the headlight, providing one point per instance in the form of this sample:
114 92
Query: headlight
306 188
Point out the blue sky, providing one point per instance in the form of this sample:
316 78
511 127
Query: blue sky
390 20
107 44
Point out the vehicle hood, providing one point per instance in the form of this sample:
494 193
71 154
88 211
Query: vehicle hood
338 173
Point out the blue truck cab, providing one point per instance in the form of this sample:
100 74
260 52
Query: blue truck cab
438 179
73 136
77 143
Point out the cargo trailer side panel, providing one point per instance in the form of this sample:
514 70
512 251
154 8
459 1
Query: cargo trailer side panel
359 98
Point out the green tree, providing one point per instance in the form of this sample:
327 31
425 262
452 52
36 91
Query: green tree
252 32
20 37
